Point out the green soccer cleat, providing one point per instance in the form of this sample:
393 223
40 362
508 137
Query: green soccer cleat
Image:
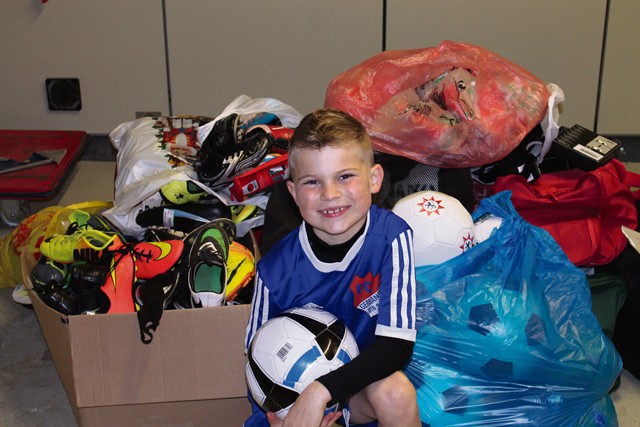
208 254
82 220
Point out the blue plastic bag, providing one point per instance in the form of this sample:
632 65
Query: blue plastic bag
507 335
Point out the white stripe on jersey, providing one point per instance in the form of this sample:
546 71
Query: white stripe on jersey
257 317
264 316
393 315
405 279
412 309
400 279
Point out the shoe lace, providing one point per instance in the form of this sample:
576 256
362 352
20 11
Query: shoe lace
97 225
141 254
131 248
127 248
75 226
209 248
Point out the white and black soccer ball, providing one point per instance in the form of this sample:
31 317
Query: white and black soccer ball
290 351
442 226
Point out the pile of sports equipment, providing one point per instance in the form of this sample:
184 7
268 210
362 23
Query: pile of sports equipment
170 170
184 227
90 267
509 333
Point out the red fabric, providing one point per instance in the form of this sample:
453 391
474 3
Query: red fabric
583 211
41 182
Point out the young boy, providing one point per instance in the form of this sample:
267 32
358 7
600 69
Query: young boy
352 259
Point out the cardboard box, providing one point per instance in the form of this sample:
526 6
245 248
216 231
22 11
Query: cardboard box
191 374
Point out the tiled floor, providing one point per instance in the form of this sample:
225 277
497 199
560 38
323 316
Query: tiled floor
30 392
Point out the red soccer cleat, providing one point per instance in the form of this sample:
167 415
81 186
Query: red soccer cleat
154 258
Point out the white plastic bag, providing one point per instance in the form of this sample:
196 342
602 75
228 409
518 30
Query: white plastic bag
145 163
246 106
550 124
146 160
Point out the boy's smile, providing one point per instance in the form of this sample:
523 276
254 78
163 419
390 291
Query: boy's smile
332 187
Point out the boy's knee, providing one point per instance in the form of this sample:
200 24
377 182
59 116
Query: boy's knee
392 401
396 390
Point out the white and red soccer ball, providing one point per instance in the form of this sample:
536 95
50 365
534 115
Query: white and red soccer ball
442 226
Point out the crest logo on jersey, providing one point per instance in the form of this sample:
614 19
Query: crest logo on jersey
365 293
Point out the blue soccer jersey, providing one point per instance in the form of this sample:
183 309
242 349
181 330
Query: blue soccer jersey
372 290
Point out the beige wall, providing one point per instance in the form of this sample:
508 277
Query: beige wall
114 47
620 97
290 50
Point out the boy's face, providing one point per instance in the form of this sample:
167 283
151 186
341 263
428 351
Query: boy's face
332 187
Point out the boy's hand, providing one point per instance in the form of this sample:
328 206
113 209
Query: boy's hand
273 420
308 409
327 421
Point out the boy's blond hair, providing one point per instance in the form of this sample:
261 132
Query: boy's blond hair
329 127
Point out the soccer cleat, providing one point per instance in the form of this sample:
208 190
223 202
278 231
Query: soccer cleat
208 254
221 139
180 192
223 134
86 281
240 269
182 295
60 300
183 218
82 245
144 260
241 213
168 282
48 274
222 167
154 258
228 226
280 136
154 233
82 220
118 286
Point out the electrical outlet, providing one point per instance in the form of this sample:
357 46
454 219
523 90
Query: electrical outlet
63 94
140 114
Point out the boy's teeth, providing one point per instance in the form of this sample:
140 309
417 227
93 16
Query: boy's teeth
333 211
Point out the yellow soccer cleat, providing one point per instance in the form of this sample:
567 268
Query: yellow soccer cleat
240 269
82 245
180 192
241 213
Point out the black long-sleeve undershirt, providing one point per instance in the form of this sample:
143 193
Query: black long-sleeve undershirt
379 360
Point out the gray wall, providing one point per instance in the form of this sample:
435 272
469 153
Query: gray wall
291 49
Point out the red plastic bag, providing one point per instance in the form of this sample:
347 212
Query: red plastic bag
583 211
455 105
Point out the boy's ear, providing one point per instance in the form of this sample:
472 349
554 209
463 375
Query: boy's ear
377 175
292 189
